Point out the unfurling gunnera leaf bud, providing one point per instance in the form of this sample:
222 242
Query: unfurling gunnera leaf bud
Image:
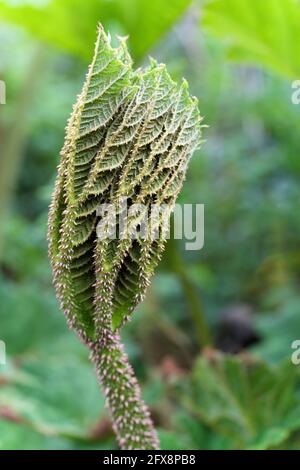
129 137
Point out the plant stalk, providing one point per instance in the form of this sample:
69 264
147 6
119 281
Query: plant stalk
130 416
193 301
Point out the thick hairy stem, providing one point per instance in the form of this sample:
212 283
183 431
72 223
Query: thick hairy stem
130 416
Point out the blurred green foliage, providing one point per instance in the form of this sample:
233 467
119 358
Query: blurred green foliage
71 24
249 403
245 280
261 32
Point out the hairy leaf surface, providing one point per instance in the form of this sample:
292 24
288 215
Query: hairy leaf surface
129 138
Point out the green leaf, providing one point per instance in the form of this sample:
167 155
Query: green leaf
15 436
129 139
260 32
278 329
248 402
60 400
48 382
70 24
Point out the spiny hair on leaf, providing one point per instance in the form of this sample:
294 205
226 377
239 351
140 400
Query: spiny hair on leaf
130 136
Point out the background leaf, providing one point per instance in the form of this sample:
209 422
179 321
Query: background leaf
71 24
248 402
265 32
48 383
